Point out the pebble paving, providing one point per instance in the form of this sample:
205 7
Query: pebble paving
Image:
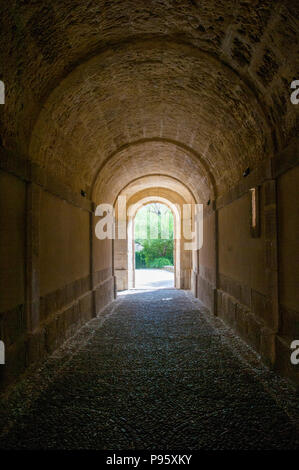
155 371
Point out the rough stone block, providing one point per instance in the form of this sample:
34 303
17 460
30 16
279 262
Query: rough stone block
262 307
289 322
270 224
51 335
36 347
242 320
268 346
104 295
270 193
85 308
254 332
205 293
121 279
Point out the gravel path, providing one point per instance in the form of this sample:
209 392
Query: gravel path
157 372
153 279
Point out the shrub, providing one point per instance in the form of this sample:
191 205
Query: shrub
159 263
139 260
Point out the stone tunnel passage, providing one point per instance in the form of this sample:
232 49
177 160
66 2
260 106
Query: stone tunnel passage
157 371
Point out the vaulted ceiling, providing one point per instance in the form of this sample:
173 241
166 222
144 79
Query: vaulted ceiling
99 93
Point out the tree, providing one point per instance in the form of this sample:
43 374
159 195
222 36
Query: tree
156 221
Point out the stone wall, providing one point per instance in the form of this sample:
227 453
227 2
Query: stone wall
288 255
256 287
243 298
55 274
12 241
206 279
13 318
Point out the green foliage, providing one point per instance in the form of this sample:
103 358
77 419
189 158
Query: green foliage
160 263
155 249
154 231
140 260
153 221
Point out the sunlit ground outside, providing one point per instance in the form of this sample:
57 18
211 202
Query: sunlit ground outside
153 279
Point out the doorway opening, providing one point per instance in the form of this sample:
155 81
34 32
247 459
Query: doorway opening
153 247
183 263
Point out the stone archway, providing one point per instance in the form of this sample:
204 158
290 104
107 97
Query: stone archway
185 263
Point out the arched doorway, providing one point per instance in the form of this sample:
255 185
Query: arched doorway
124 250
154 240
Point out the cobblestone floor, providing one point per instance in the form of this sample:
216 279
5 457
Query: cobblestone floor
157 372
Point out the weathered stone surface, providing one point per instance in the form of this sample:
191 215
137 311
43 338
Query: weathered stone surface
143 99
251 325
90 80
158 372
